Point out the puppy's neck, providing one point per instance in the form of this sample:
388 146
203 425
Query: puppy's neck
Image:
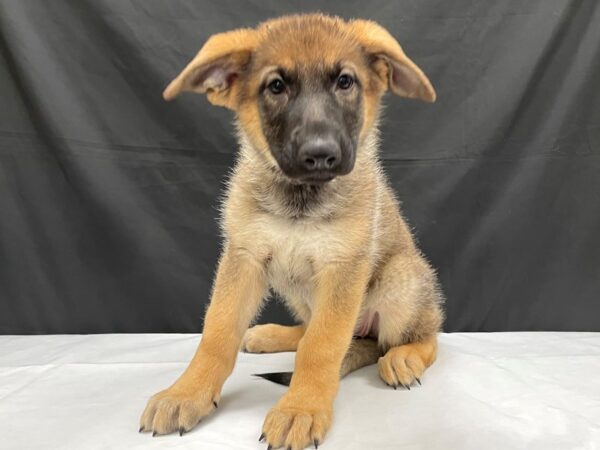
272 192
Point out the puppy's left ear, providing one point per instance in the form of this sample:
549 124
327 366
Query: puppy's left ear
216 69
402 76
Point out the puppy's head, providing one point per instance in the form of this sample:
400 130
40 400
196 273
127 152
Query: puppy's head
306 89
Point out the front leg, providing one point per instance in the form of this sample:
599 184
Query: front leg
303 415
238 290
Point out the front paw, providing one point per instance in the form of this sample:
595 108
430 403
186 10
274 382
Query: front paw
296 426
178 408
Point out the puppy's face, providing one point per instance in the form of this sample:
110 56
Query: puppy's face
311 116
306 89
307 85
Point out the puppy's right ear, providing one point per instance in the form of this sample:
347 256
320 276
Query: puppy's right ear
216 69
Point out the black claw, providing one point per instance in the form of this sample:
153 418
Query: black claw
407 386
141 429
154 434
269 447
181 431
262 437
289 447
395 386
316 442
216 405
418 381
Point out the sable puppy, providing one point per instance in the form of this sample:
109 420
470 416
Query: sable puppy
309 214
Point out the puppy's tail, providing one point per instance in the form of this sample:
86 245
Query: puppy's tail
362 352
282 378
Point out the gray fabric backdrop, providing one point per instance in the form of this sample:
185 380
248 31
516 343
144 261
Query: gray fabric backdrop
108 195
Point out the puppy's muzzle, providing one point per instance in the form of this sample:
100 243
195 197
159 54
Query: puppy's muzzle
319 159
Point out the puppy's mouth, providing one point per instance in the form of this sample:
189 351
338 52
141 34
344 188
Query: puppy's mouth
308 181
317 178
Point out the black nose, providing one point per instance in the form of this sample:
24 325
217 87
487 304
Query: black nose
319 155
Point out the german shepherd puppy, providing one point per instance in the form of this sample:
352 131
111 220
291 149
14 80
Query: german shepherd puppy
309 214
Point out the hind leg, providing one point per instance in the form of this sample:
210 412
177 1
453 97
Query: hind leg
405 364
408 300
272 338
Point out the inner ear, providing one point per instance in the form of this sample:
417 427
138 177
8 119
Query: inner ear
407 80
217 76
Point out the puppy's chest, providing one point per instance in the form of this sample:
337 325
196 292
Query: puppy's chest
297 251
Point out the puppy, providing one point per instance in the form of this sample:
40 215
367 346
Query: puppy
309 214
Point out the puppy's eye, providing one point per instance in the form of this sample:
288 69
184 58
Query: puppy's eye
276 86
345 82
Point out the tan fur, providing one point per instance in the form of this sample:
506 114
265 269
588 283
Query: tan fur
346 263
272 338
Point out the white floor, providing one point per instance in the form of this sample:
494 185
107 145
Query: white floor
486 391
